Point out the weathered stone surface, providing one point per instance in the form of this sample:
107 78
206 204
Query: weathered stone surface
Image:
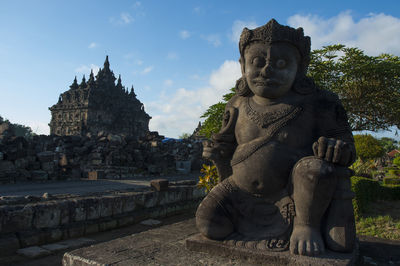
6 166
21 163
93 209
202 244
78 242
45 156
78 210
150 199
16 218
33 252
106 205
128 203
160 246
55 235
23 175
151 222
39 175
184 167
159 184
46 215
33 237
76 230
108 225
9 243
94 175
54 247
41 220
91 228
48 166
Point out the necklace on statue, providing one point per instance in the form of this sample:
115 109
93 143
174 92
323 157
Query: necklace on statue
265 119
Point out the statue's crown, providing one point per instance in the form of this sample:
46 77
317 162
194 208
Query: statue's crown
275 32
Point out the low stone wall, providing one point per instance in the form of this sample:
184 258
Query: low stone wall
38 223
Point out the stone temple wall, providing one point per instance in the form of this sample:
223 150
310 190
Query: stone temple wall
114 156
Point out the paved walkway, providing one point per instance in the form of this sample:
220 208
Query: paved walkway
76 187
84 186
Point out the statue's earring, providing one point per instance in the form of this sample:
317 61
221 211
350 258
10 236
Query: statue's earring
241 87
303 85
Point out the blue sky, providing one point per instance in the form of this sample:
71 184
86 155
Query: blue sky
180 56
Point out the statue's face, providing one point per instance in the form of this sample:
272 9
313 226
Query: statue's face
270 69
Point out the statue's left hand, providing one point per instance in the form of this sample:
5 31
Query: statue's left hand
333 150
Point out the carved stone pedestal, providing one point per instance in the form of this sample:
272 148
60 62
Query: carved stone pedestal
201 244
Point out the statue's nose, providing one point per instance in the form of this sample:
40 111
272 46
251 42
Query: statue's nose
267 69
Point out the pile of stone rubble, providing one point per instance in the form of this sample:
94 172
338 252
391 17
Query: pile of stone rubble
44 157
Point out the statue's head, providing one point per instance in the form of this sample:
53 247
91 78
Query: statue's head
274 60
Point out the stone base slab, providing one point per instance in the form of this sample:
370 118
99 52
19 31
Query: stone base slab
202 244
164 245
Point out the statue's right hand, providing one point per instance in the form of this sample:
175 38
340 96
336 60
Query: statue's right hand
211 151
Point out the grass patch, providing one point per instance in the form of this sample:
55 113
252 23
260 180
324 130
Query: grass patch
382 219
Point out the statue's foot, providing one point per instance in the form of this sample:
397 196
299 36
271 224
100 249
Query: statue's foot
306 240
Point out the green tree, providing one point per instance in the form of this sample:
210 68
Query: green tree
214 115
184 136
19 130
388 144
368 147
396 161
368 86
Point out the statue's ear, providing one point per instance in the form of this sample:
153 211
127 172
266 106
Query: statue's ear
241 60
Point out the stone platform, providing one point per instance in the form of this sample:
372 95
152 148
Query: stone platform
164 245
201 244
167 245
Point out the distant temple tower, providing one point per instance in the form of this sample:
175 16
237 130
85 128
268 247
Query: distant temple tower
99 105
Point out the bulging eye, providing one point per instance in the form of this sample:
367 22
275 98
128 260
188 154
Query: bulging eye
280 63
259 61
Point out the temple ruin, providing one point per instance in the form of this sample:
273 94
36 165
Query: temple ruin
99 105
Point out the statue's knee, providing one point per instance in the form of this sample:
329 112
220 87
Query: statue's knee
312 169
212 219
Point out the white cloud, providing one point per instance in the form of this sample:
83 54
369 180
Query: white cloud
177 112
147 70
139 62
85 69
123 19
172 56
375 33
237 29
92 45
168 82
40 128
195 77
213 39
126 18
136 4
184 34
197 9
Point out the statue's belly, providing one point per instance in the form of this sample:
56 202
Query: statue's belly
267 170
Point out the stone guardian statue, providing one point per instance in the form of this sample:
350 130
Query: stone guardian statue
282 154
